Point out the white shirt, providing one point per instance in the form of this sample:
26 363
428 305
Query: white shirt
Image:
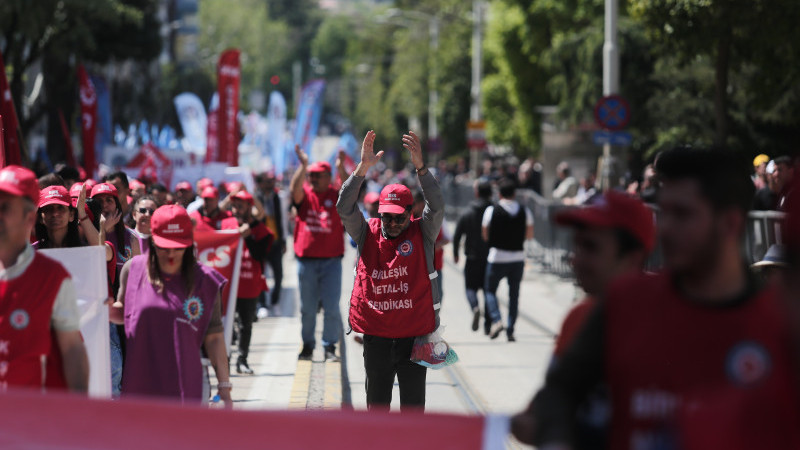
497 255
66 316
195 205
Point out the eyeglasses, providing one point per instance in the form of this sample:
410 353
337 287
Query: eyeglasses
146 211
399 219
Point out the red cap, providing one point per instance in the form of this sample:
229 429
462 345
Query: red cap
394 199
618 210
19 181
135 184
54 195
104 189
183 186
203 183
209 192
233 186
171 227
75 190
371 197
90 184
319 167
244 195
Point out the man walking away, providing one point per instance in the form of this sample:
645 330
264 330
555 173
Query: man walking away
476 251
268 194
505 226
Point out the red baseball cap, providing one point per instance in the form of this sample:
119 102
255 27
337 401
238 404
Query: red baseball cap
54 195
233 185
183 186
90 184
19 181
136 184
245 196
172 227
104 189
319 167
203 183
371 197
75 190
209 192
617 210
395 199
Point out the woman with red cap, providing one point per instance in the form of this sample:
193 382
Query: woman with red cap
60 223
170 307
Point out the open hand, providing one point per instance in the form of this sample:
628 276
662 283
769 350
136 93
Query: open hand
81 205
368 157
108 223
411 143
301 155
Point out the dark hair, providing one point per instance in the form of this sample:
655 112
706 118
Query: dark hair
96 209
68 173
188 268
72 239
723 175
51 179
627 243
157 187
484 189
122 177
508 188
419 197
784 160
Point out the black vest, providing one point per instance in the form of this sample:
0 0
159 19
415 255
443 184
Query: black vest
507 232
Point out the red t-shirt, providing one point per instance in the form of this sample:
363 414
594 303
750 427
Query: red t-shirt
572 324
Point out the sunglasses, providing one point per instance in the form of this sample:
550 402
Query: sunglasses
398 219
146 211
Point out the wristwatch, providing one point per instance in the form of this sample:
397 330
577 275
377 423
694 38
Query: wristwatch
422 168
224 385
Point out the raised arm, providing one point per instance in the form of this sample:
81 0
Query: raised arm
296 187
433 214
352 219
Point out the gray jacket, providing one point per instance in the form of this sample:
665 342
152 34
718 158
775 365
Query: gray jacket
432 217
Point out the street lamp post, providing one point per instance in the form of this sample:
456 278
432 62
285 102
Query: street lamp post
610 80
477 75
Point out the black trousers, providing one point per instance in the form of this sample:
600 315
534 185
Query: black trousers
275 261
246 309
383 359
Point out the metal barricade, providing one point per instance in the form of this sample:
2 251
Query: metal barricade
763 230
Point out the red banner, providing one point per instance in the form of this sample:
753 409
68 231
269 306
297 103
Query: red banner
88 120
217 249
228 75
12 154
153 165
212 143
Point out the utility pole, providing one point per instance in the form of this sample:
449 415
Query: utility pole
610 81
477 75
433 92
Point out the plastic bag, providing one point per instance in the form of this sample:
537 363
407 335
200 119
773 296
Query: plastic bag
432 351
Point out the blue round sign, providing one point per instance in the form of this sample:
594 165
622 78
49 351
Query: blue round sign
612 113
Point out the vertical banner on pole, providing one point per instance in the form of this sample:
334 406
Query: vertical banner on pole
228 75
309 113
13 154
194 122
276 129
88 120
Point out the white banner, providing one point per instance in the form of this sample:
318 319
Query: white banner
87 266
192 115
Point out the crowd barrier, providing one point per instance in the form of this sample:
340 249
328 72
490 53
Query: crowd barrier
552 244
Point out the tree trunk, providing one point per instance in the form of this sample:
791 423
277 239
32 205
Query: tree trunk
721 68
60 93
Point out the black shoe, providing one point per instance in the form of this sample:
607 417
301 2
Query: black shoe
476 318
243 367
330 353
307 353
497 328
511 338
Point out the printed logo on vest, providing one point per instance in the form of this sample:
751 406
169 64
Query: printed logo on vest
748 363
19 319
126 255
405 248
328 203
193 308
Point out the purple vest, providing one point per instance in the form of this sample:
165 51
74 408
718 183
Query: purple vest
165 333
124 251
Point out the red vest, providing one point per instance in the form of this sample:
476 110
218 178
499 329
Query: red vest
318 230
26 337
251 275
665 356
205 223
392 291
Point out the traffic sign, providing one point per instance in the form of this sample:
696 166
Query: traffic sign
476 134
618 138
612 113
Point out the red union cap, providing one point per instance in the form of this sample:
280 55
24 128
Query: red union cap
90 184
104 189
618 210
394 199
203 183
233 185
209 192
19 181
244 196
319 167
171 227
54 195
136 184
371 197
75 190
183 186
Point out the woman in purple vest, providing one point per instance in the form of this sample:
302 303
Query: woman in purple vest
170 306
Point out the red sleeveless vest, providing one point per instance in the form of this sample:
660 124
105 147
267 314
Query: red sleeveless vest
251 275
666 356
27 342
318 230
392 294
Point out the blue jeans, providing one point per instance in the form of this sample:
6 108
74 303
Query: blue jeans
494 273
116 361
320 283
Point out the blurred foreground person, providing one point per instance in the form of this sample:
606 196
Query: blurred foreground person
170 307
698 356
40 338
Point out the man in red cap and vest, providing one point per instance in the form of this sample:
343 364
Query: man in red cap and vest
319 247
39 318
393 299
